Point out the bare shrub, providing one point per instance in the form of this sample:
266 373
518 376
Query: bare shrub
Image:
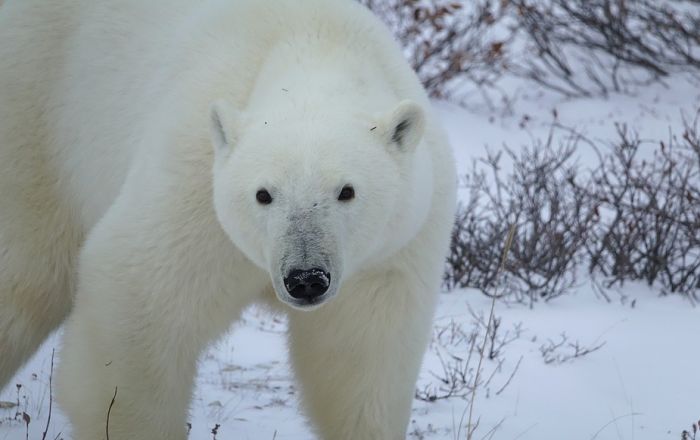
594 47
472 261
449 43
459 353
565 350
552 221
631 218
456 378
650 227
574 47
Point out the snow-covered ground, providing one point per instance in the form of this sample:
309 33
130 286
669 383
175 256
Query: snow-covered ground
640 383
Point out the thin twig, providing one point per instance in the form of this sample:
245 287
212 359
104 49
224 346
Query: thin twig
632 414
511 377
492 431
506 249
48 419
109 411
27 420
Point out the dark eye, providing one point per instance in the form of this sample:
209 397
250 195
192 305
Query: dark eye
347 193
263 197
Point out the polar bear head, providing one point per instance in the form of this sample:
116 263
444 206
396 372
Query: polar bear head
315 199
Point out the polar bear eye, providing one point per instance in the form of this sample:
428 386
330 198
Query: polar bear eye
347 193
263 197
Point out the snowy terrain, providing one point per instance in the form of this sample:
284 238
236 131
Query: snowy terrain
639 382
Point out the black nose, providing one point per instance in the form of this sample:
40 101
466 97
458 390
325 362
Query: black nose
307 284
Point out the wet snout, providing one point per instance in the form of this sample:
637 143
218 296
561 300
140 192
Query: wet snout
307 284
306 264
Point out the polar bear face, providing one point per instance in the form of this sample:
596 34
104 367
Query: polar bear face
312 201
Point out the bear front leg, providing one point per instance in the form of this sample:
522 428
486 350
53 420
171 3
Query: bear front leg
155 288
358 357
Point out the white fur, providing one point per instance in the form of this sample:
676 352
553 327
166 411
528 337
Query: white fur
133 138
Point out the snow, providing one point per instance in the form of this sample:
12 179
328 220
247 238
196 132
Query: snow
641 384
638 385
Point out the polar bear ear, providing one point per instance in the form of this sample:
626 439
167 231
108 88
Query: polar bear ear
403 127
225 124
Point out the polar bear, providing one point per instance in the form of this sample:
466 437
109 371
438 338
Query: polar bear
165 164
